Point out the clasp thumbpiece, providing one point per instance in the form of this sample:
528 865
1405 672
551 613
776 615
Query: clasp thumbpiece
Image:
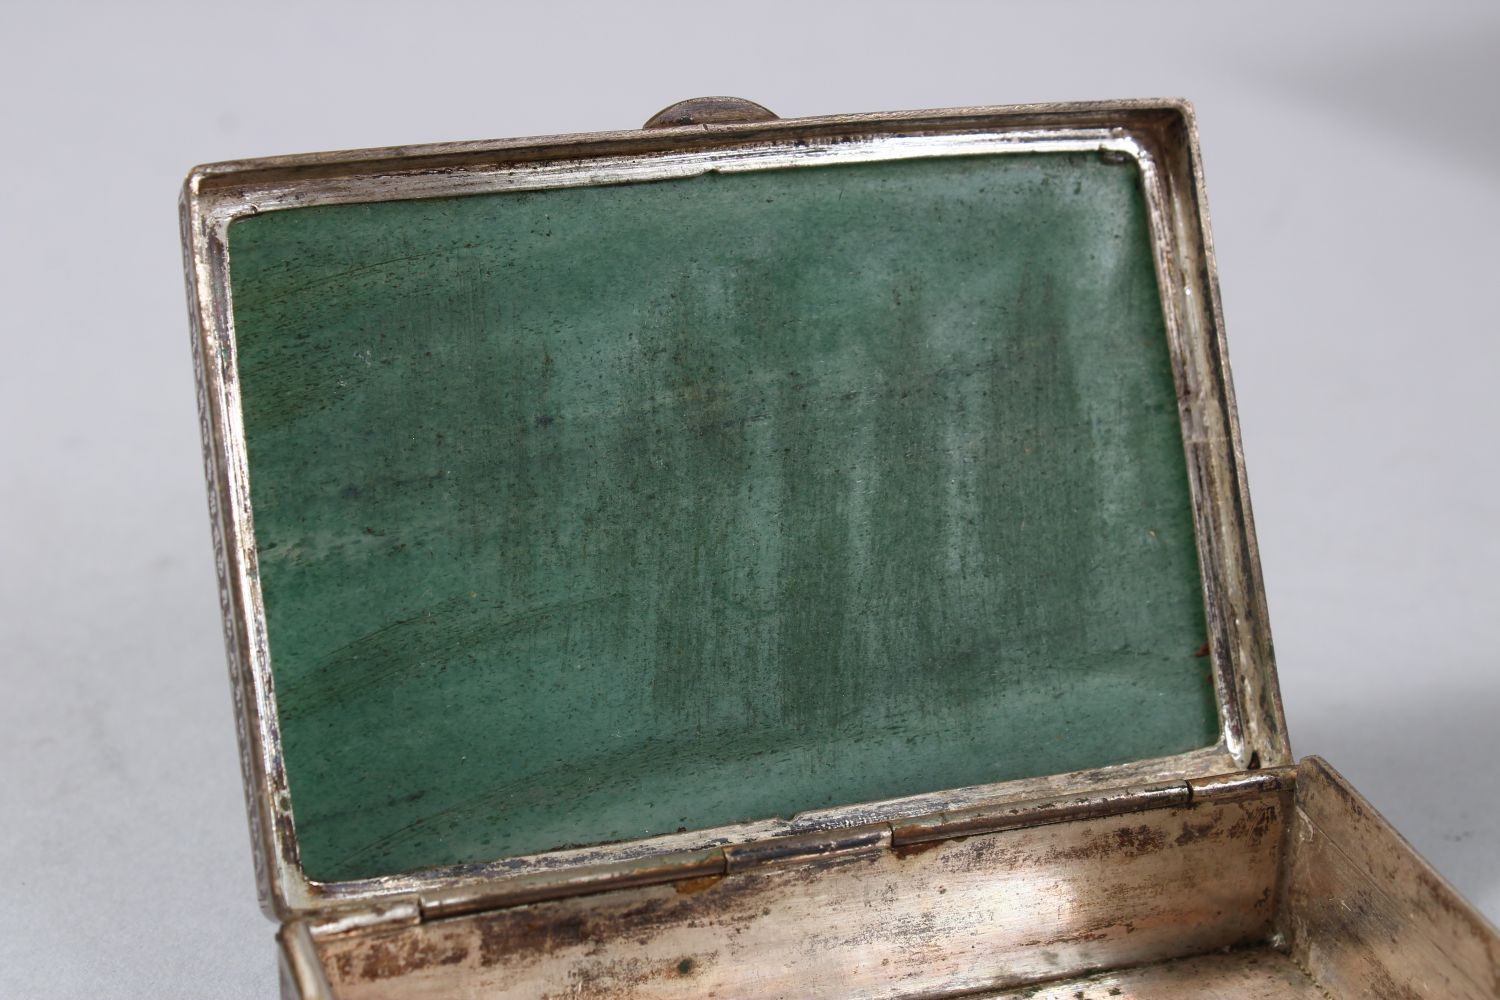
710 111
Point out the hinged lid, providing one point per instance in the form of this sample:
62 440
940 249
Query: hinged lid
585 503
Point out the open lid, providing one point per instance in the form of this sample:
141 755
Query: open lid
727 478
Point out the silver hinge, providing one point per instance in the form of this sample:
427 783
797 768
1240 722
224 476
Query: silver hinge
536 887
811 847
711 863
807 847
1243 784
397 911
1040 812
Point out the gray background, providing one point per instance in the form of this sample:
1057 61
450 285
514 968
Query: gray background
1354 171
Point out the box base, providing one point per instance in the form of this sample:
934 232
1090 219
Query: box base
1252 885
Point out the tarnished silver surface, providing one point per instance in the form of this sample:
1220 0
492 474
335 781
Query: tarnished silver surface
939 918
1251 885
1158 135
302 975
1241 974
1364 914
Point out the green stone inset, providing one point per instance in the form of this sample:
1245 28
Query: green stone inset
590 514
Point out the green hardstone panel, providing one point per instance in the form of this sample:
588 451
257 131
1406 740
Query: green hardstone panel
585 515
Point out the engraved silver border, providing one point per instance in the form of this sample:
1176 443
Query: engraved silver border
1159 136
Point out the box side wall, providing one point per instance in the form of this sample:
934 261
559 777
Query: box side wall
935 919
1364 914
